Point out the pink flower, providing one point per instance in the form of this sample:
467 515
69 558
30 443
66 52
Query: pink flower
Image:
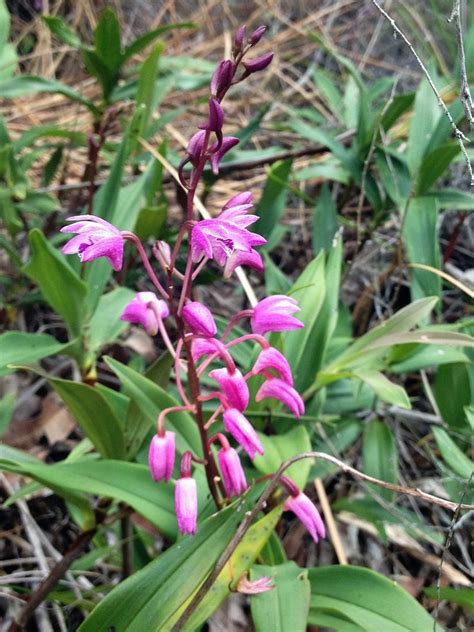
217 153
247 586
232 473
195 147
186 504
243 432
199 319
271 358
307 513
145 309
234 387
278 389
161 456
274 314
95 238
238 258
215 119
201 347
246 197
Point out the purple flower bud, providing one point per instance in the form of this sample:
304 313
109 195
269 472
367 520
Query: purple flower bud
195 147
95 238
257 35
271 358
162 252
234 387
222 77
186 504
274 314
278 389
199 319
307 513
217 153
161 455
239 38
243 432
257 64
215 119
233 475
146 309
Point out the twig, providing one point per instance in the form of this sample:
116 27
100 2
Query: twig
330 522
465 93
251 515
461 138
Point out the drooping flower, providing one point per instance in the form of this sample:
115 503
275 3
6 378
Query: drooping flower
199 319
243 432
146 309
238 258
274 314
307 513
161 456
275 388
195 147
95 238
217 153
233 475
215 119
234 388
186 504
271 358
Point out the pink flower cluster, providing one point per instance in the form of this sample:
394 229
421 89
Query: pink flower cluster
227 240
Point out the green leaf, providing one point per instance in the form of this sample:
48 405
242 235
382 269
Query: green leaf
17 347
142 42
366 599
7 406
105 324
152 598
275 281
420 236
151 399
61 30
273 200
452 455
434 165
28 84
285 607
423 122
130 483
59 284
453 199
326 85
310 291
380 456
384 388
107 40
93 413
324 221
452 391
464 597
147 86
241 560
96 66
279 448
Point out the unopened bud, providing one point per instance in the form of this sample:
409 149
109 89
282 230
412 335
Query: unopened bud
239 38
257 64
222 77
257 35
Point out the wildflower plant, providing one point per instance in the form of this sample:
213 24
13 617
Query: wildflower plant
227 240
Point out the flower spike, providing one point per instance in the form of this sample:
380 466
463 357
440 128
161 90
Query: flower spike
146 309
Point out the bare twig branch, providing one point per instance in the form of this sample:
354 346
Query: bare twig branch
465 94
461 138
250 517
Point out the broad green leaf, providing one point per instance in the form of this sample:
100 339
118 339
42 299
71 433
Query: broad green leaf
327 169
273 200
241 560
423 122
324 221
94 414
61 30
96 67
150 400
425 337
434 165
25 85
8 55
423 357
310 292
398 106
327 86
18 347
422 246
147 86
464 597
60 285
367 599
279 448
275 281
31 135
285 607
448 198
384 388
380 456
452 455
130 483
107 39
452 391
152 598
105 324
7 406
